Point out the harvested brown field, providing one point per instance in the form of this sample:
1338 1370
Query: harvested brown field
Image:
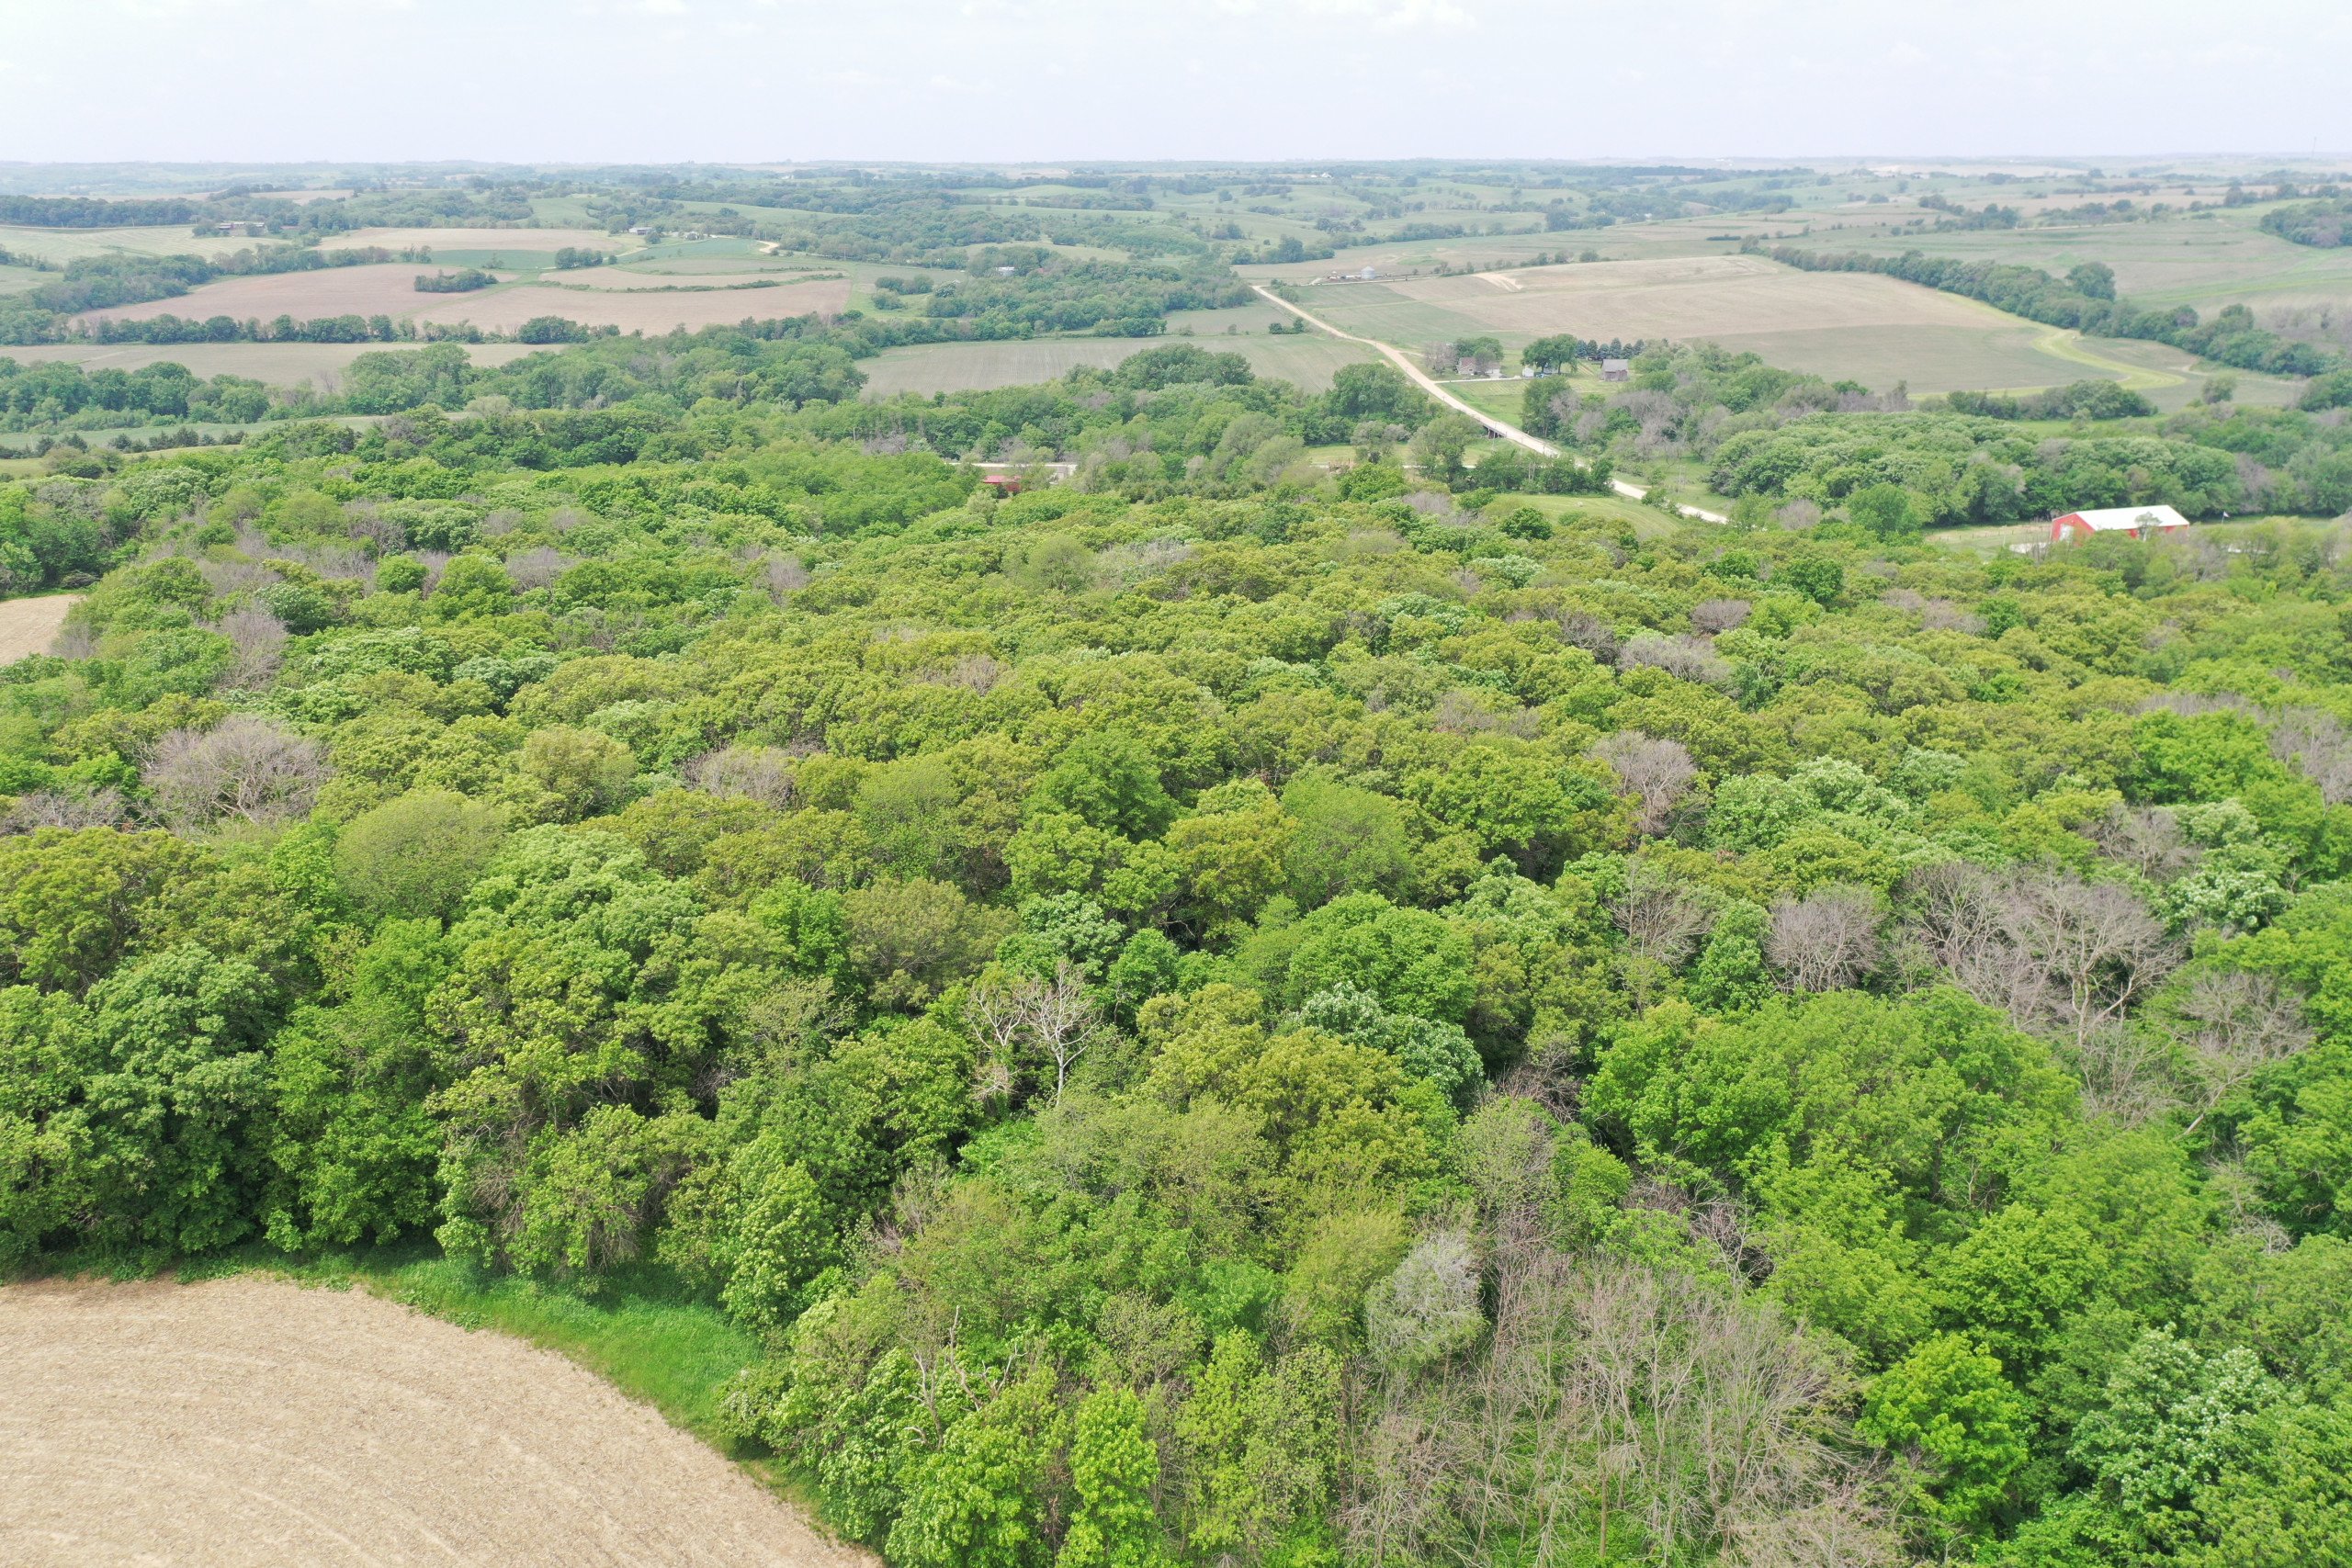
29 625
522 242
248 1421
388 289
630 278
503 310
1878 330
1685 297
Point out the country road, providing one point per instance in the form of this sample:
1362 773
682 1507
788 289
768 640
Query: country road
1420 378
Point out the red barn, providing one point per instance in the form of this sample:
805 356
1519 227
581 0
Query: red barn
1003 484
2132 521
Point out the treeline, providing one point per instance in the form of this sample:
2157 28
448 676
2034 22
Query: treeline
1956 469
1680 399
463 281
58 395
2077 399
2324 225
2232 337
94 212
1046 295
507 202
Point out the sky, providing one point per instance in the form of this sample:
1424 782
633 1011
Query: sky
721 81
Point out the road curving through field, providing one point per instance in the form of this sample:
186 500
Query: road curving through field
1422 379
250 1422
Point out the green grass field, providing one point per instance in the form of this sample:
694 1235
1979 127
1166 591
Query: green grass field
71 244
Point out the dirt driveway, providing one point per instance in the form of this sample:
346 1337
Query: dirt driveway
251 1421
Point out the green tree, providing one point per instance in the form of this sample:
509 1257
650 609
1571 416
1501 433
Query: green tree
1949 1411
1113 1469
415 857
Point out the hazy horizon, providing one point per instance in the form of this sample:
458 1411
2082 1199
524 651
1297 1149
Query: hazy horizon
1061 81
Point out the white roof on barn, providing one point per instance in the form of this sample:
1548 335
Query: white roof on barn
2118 519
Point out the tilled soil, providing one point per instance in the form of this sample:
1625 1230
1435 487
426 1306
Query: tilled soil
29 625
252 1421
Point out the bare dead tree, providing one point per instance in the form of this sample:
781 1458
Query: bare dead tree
2126 1074
977 674
2194 705
1465 711
1654 771
1583 629
2234 1024
2148 840
2058 953
1684 658
1027 1023
1956 926
1712 616
751 773
389 535
1825 941
1662 921
100 807
785 576
1619 1404
536 567
2317 742
2098 943
1943 615
244 767
258 641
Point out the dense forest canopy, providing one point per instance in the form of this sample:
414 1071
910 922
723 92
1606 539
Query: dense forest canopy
1216 1010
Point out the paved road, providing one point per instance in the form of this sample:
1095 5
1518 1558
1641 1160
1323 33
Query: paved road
1420 378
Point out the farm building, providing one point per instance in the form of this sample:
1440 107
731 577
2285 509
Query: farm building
2134 521
1616 369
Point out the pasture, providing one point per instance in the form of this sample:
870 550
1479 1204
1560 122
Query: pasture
63 245
249 1420
1310 361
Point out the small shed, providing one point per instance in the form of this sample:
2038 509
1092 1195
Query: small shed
1616 369
2132 521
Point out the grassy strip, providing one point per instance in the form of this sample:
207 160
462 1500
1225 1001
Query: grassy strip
639 1330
